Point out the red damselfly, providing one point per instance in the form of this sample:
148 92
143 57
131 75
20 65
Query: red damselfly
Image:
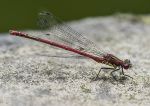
58 34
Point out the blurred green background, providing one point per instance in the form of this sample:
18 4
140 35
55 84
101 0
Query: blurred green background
22 14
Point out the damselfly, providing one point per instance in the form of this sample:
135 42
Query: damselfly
59 34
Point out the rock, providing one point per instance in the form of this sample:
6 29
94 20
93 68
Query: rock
34 74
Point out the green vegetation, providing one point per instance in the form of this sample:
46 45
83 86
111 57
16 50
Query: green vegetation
22 14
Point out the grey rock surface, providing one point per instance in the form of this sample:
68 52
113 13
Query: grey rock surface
31 74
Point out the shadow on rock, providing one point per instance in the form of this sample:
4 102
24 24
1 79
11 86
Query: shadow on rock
113 80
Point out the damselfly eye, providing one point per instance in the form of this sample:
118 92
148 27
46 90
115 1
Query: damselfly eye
127 64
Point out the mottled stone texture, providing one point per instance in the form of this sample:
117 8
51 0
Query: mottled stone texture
32 74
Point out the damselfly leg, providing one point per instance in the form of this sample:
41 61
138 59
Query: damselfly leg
103 68
112 72
125 74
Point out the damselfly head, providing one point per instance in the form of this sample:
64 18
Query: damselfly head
127 64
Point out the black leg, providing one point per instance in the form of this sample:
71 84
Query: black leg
103 68
125 74
114 71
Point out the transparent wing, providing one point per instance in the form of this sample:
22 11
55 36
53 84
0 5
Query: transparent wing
58 31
